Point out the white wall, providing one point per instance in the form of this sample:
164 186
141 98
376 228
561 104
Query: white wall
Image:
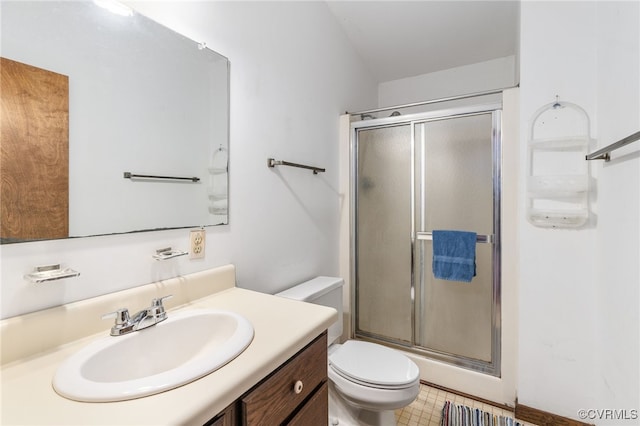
293 73
578 333
618 246
494 74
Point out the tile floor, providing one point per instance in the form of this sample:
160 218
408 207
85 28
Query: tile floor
426 409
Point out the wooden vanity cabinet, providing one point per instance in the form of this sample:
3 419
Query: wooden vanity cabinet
286 392
228 417
294 394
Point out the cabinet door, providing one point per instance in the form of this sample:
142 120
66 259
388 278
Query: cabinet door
228 417
280 395
34 176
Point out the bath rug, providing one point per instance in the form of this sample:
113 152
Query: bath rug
462 415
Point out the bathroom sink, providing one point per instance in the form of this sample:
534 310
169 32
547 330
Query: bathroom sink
179 350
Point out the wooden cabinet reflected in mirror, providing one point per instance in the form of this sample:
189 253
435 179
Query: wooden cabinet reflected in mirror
34 159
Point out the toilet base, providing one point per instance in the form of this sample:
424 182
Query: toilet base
341 413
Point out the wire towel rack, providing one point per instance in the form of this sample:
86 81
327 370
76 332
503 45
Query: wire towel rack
273 162
603 154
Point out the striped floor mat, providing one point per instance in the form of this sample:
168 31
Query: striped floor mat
461 415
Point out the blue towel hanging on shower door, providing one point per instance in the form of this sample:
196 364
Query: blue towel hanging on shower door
454 255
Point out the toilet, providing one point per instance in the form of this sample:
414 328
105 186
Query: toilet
367 381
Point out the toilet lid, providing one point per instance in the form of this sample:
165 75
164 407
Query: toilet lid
373 364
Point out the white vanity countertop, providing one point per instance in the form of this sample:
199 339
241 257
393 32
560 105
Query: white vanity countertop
282 327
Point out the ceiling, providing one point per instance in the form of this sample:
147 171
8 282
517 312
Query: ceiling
398 39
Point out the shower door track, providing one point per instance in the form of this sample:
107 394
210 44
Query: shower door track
457 360
434 101
492 367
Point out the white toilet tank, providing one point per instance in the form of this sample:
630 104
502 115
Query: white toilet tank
325 291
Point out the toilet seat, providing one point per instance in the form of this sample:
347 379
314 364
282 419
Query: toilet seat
373 365
367 384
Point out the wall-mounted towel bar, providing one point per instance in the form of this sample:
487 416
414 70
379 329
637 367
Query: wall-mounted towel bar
484 239
272 163
129 175
603 154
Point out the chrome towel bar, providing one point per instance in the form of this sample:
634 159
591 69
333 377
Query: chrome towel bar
129 175
484 239
603 154
272 163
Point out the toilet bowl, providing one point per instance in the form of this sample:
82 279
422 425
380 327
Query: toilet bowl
367 381
373 377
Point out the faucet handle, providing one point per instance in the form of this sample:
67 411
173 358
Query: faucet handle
157 303
157 308
123 321
121 315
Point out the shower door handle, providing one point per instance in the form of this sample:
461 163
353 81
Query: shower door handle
482 239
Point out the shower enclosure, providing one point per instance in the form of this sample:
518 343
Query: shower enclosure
411 175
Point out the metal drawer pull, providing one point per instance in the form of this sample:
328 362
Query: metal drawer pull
297 388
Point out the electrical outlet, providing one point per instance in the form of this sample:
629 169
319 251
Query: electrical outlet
197 244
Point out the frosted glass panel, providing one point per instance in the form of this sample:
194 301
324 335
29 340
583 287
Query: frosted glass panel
455 191
458 167
383 232
457 316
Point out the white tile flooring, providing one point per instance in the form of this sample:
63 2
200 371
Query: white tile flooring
426 410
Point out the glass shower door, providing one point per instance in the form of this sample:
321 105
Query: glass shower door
437 171
383 229
455 190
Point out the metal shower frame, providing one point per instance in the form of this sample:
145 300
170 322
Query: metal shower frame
494 366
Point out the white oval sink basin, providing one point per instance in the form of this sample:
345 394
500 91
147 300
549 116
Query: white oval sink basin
176 351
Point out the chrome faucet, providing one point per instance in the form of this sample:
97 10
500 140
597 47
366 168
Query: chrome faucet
126 324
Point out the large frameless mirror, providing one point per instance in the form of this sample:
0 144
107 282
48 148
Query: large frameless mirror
111 123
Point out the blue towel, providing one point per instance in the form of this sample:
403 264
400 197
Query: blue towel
454 255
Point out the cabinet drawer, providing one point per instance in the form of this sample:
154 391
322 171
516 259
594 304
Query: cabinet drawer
273 400
316 411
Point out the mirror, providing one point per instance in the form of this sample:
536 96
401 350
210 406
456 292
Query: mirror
142 99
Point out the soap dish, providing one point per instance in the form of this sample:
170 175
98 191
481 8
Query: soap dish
50 273
168 253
